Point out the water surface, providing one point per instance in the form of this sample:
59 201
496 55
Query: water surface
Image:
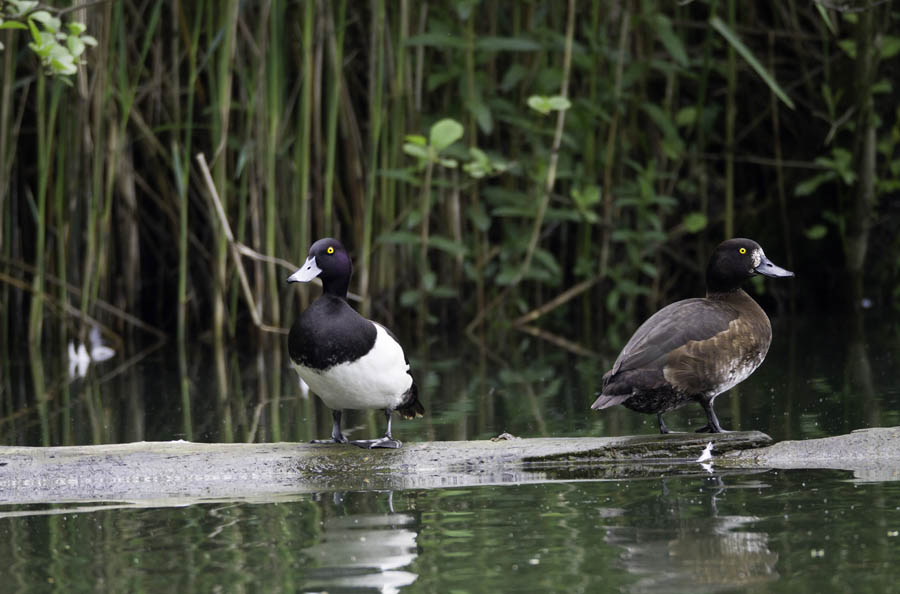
774 531
666 531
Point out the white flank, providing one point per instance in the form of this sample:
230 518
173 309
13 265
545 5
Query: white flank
378 379
739 373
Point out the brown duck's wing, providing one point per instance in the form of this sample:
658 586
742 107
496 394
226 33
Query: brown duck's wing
672 327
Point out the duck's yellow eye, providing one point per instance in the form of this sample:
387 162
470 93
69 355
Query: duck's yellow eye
330 250
742 250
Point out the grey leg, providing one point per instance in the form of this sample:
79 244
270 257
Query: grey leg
336 435
662 424
712 424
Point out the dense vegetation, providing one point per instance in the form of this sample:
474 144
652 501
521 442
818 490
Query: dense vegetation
587 156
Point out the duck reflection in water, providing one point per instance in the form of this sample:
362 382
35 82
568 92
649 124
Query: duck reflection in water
362 551
678 542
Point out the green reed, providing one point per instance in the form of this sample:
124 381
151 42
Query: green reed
302 111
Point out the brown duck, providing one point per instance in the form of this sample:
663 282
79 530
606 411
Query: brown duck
695 349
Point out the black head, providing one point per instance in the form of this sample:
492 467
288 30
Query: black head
736 260
329 261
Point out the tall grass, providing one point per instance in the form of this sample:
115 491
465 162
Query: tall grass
302 110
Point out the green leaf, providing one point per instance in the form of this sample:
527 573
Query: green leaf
35 33
674 146
649 269
686 116
75 45
12 25
445 244
559 103
89 40
807 187
409 297
76 28
882 86
816 232
849 47
63 66
483 117
23 6
404 175
444 133
475 169
670 40
539 104
512 77
588 196
890 46
479 217
545 105
50 22
436 40
400 237
735 41
694 222
429 280
507 44
414 150
825 17
479 155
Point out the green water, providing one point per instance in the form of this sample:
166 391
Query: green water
664 530
786 531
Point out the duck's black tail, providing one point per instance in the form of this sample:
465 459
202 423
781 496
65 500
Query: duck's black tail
411 407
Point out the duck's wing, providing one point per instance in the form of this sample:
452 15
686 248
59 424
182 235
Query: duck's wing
690 320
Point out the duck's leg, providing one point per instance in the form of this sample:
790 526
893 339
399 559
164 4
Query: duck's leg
336 435
712 421
383 442
662 424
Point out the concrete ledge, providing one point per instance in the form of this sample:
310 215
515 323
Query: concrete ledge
181 473
178 473
872 454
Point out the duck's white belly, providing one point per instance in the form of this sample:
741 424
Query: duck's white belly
378 379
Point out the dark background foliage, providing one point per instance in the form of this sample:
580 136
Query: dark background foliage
672 142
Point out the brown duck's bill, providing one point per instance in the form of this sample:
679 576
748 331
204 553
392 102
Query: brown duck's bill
767 268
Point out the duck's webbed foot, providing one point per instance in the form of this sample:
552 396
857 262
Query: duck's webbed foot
382 442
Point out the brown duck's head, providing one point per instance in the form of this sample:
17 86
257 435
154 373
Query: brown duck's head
736 260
